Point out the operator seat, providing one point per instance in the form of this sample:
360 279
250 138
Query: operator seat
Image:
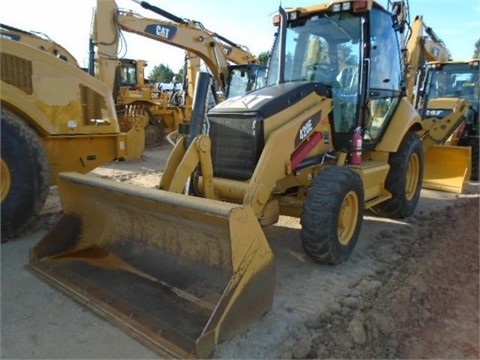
348 80
345 91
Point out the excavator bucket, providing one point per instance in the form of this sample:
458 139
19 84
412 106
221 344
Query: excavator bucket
447 168
176 272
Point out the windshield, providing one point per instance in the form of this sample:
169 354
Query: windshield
128 75
356 54
244 78
456 80
319 49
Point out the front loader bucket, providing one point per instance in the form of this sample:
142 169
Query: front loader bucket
176 272
447 168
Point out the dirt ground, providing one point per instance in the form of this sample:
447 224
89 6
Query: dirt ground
409 290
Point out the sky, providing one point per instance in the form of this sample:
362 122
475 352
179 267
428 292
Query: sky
247 22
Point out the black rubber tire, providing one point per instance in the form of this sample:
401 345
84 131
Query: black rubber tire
404 181
332 215
472 141
475 158
25 157
155 131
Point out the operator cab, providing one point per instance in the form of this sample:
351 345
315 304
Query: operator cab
352 51
451 80
127 73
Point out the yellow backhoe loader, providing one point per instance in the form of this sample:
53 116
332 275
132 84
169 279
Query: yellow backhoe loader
200 45
185 266
443 81
55 117
422 45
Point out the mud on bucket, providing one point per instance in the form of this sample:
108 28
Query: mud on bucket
176 272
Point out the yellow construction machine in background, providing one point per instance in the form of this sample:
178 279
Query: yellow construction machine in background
202 46
55 117
185 266
443 82
38 40
422 46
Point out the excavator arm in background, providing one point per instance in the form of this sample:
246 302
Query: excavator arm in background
236 53
202 47
191 37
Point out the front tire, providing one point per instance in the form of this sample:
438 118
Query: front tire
404 181
473 142
155 131
332 215
25 177
475 158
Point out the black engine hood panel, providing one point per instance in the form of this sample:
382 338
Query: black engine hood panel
269 100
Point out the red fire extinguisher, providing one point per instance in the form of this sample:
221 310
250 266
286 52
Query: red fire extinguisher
356 157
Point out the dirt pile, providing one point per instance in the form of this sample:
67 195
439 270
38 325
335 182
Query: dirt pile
424 304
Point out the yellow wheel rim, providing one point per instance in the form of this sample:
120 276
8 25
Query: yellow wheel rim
347 219
412 176
5 178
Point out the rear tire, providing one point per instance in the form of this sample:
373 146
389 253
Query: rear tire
155 131
25 174
404 181
472 141
332 215
475 158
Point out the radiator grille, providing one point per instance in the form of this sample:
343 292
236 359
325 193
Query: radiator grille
236 145
92 104
17 72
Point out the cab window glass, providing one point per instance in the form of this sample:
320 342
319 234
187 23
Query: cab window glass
385 81
128 76
385 71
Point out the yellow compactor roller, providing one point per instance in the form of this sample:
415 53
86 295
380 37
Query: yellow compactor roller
187 265
55 117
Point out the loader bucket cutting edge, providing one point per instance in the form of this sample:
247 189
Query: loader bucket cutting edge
176 272
447 168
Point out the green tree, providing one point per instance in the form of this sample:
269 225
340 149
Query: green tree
161 73
476 53
345 55
179 76
263 57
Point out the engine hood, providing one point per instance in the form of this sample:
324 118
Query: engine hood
269 100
